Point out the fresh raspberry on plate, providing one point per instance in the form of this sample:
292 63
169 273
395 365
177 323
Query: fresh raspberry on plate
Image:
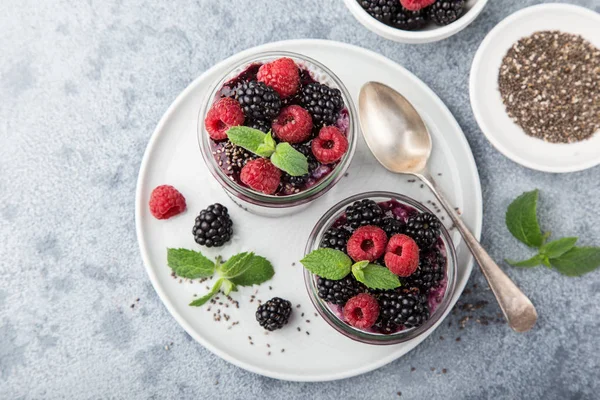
261 175
330 146
416 5
293 125
402 255
282 75
361 311
166 202
367 243
223 114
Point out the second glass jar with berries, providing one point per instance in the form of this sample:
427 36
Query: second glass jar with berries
380 268
277 132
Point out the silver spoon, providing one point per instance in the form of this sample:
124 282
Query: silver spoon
400 141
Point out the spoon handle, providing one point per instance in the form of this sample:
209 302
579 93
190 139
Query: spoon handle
517 308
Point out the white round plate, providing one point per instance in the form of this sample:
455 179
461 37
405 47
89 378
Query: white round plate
173 157
486 101
431 33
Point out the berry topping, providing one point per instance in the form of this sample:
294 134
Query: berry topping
322 102
261 175
263 126
293 125
408 20
166 202
364 212
430 273
391 226
403 307
258 101
224 114
330 146
381 10
444 12
424 228
367 243
274 314
282 75
213 227
361 311
402 255
335 238
339 292
416 5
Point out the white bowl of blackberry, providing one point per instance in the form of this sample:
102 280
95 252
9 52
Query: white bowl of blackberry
415 21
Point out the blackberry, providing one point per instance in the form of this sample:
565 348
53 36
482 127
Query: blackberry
364 212
274 314
263 126
444 12
339 292
408 20
392 226
430 273
403 307
336 239
259 101
305 148
213 227
385 326
381 10
424 229
295 181
322 102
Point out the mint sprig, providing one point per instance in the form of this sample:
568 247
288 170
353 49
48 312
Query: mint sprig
243 269
560 254
282 155
375 276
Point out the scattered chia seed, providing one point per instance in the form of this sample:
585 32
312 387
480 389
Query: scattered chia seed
458 339
550 86
307 333
299 330
444 371
412 369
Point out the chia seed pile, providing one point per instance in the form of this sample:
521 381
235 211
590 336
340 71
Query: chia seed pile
550 86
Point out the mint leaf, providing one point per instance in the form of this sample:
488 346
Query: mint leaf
252 140
532 262
290 160
228 287
189 264
202 300
259 270
328 263
235 266
557 248
577 261
521 219
375 276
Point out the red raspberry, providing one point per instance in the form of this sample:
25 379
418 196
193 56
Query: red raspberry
282 75
361 311
261 175
402 255
293 125
367 243
416 5
330 145
223 114
166 202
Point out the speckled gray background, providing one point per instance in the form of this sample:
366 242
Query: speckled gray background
82 86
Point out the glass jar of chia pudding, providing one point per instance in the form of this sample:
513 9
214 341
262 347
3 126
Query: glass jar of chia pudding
428 291
320 94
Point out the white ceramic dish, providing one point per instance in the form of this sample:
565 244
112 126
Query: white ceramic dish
173 157
432 33
486 101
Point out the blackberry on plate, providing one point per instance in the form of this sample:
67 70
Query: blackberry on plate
381 10
424 229
339 292
444 12
322 102
392 226
404 307
430 273
364 212
274 314
258 101
336 239
408 20
213 227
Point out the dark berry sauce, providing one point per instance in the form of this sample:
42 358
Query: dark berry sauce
231 159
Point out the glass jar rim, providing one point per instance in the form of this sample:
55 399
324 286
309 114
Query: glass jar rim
359 335
262 199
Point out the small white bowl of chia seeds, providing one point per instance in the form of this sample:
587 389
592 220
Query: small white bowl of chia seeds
535 87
